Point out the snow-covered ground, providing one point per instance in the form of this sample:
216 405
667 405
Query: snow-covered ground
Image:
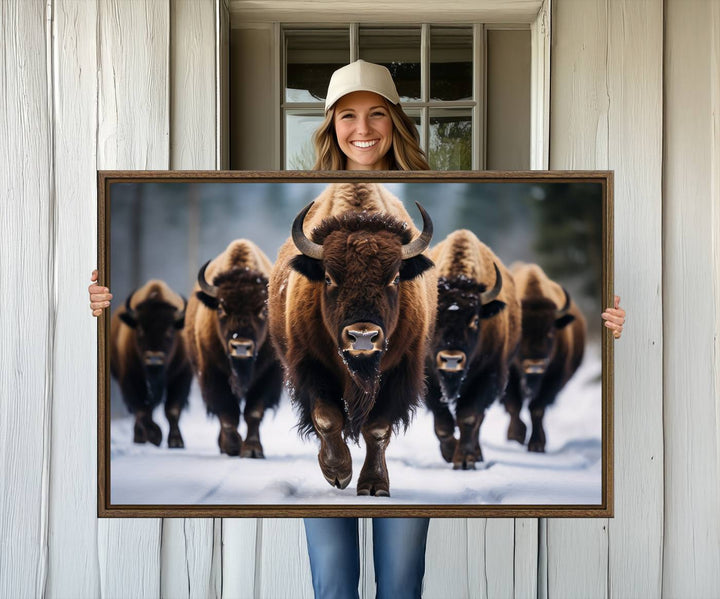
568 473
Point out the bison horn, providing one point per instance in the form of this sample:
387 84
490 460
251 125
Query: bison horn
566 308
307 247
130 312
487 296
211 290
418 245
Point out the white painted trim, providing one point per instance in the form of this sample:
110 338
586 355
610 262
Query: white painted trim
540 89
278 127
367 11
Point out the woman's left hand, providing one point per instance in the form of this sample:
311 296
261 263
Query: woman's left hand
615 318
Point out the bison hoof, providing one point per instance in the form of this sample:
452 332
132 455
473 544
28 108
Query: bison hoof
154 434
252 449
466 464
374 490
466 460
338 482
175 441
517 433
536 446
230 442
140 436
447 448
336 463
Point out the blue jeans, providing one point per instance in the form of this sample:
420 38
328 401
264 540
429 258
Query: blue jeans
398 552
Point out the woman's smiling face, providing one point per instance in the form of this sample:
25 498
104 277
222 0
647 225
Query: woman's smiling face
364 130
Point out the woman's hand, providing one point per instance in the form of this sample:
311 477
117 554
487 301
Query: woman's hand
99 296
615 318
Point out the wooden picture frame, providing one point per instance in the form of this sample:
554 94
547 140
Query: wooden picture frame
584 200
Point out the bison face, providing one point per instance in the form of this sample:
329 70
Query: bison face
462 306
155 323
541 320
361 261
239 298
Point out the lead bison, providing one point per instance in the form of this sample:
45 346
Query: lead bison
351 316
551 349
226 338
148 359
477 333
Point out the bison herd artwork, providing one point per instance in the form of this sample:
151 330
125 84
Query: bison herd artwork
363 320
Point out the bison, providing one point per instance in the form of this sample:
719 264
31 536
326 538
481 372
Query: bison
351 317
148 359
226 339
551 349
477 333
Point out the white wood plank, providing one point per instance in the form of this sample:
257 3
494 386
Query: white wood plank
577 551
690 290
283 566
189 566
526 558
27 317
216 574
129 558
133 130
73 564
470 558
133 102
193 85
187 558
239 557
577 559
491 557
447 559
635 91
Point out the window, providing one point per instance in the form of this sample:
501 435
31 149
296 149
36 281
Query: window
435 70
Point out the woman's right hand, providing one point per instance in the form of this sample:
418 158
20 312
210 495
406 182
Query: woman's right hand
99 296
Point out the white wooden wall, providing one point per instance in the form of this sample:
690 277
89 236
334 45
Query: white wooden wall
635 87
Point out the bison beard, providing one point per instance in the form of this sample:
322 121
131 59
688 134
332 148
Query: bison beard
360 397
241 373
450 385
155 382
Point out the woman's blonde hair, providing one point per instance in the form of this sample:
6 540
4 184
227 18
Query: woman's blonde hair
405 153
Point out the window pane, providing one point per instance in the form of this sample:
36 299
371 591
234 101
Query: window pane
398 50
311 58
415 117
451 55
299 149
450 145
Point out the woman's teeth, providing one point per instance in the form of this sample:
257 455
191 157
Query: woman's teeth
364 144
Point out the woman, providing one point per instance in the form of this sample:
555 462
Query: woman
365 129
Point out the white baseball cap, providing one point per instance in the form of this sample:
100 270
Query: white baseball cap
361 76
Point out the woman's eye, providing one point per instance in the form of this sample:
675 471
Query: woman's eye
378 114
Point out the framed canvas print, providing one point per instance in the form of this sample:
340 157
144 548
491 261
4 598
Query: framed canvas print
368 344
